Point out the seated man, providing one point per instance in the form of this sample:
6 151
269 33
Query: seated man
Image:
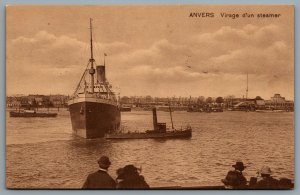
266 182
235 178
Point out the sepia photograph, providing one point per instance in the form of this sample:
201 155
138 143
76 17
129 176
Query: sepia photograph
126 97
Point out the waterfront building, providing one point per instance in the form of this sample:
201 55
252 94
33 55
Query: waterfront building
277 102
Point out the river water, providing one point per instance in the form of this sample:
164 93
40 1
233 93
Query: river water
43 153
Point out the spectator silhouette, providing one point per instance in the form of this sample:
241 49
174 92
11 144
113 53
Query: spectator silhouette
235 178
267 181
100 179
129 178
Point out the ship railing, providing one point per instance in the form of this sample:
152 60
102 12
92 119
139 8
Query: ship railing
93 95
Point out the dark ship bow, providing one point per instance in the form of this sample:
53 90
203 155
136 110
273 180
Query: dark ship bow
94 119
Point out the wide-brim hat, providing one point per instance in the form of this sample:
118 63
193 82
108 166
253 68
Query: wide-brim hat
266 170
126 171
239 164
130 169
104 162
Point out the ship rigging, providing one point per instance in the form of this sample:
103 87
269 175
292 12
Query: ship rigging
94 107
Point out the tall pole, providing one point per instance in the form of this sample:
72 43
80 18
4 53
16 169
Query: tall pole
91 38
171 115
92 70
247 88
104 58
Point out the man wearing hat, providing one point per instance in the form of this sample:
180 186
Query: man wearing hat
266 182
235 179
100 179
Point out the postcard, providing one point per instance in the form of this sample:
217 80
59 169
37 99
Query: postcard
150 97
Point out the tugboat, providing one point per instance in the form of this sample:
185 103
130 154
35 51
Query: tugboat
31 113
159 131
94 108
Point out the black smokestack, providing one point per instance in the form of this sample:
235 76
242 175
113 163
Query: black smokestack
100 74
154 118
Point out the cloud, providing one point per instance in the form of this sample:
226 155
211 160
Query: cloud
208 62
164 74
250 35
48 59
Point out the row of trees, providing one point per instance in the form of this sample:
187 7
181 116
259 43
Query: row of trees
149 99
192 100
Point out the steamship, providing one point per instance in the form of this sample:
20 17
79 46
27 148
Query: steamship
94 107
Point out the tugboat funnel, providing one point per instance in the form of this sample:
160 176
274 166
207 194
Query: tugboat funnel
154 119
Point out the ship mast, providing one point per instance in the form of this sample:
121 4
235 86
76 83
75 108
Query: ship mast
247 88
92 60
171 114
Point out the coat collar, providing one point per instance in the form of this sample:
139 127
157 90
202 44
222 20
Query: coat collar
104 170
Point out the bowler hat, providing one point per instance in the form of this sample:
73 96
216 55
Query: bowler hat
239 165
104 162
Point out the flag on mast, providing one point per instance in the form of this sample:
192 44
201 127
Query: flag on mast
104 58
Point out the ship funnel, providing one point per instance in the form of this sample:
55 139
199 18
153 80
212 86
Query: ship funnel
154 119
100 73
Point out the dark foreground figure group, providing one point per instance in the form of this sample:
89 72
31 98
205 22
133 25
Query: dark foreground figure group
264 181
128 177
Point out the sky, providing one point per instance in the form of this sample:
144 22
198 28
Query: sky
152 50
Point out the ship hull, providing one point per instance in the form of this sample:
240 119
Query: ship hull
165 135
23 114
94 119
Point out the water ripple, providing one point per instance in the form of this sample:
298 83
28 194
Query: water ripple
43 153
